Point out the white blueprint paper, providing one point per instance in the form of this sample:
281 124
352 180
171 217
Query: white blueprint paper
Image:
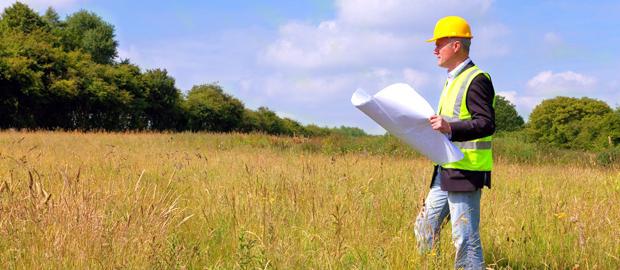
403 112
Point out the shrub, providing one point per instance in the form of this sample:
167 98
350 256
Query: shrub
506 116
609 157
571 123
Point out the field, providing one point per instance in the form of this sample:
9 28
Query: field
233 201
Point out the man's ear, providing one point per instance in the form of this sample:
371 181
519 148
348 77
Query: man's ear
457 46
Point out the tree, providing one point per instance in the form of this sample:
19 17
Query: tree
313 130
21 18
292 128
51 17
506 116
269 122
127 79
571 123
249 121
209 108
31 70
87 31
611 126
349 131
163 100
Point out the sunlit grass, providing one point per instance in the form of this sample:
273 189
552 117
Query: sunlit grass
75 200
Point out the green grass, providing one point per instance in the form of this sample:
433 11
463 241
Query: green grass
234 201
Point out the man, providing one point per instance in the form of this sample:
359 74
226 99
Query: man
467 117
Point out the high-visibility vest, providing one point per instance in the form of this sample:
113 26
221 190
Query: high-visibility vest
452 107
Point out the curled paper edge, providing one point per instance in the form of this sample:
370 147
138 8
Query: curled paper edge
360 97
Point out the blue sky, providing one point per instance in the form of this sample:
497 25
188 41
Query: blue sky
304 59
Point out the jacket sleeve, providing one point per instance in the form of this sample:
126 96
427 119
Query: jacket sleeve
479 102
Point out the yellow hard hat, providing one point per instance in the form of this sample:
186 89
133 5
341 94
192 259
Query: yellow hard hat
451 26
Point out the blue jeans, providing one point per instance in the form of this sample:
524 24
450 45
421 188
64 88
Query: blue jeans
464 211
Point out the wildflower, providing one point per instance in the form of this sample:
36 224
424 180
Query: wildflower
560 215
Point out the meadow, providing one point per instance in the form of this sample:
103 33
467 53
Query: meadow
71 200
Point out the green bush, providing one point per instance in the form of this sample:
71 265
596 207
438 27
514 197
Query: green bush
506 116
572 123
609 157
211 109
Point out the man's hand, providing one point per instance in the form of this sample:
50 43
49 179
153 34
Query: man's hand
440 124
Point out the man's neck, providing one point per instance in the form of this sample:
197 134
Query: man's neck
457 63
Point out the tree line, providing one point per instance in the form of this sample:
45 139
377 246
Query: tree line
65 74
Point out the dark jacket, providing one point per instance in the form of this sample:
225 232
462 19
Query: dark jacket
479 101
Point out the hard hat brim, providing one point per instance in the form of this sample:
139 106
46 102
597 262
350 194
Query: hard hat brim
436 38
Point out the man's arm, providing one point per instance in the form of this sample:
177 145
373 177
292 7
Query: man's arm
479 102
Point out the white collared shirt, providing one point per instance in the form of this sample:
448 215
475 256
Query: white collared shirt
452 74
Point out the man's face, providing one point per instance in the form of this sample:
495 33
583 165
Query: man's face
444 50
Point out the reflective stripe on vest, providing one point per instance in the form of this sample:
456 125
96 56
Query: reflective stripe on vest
473 145
457 102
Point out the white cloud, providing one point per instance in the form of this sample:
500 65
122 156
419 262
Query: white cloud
129 52
566 83
332 45
552 38
524 104
509 95
323 90
489 41
303 88
548 84
42 5
416 78
377 33
306 88
410 13
287 115
227 57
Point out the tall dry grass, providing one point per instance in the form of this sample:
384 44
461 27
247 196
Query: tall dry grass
194 201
